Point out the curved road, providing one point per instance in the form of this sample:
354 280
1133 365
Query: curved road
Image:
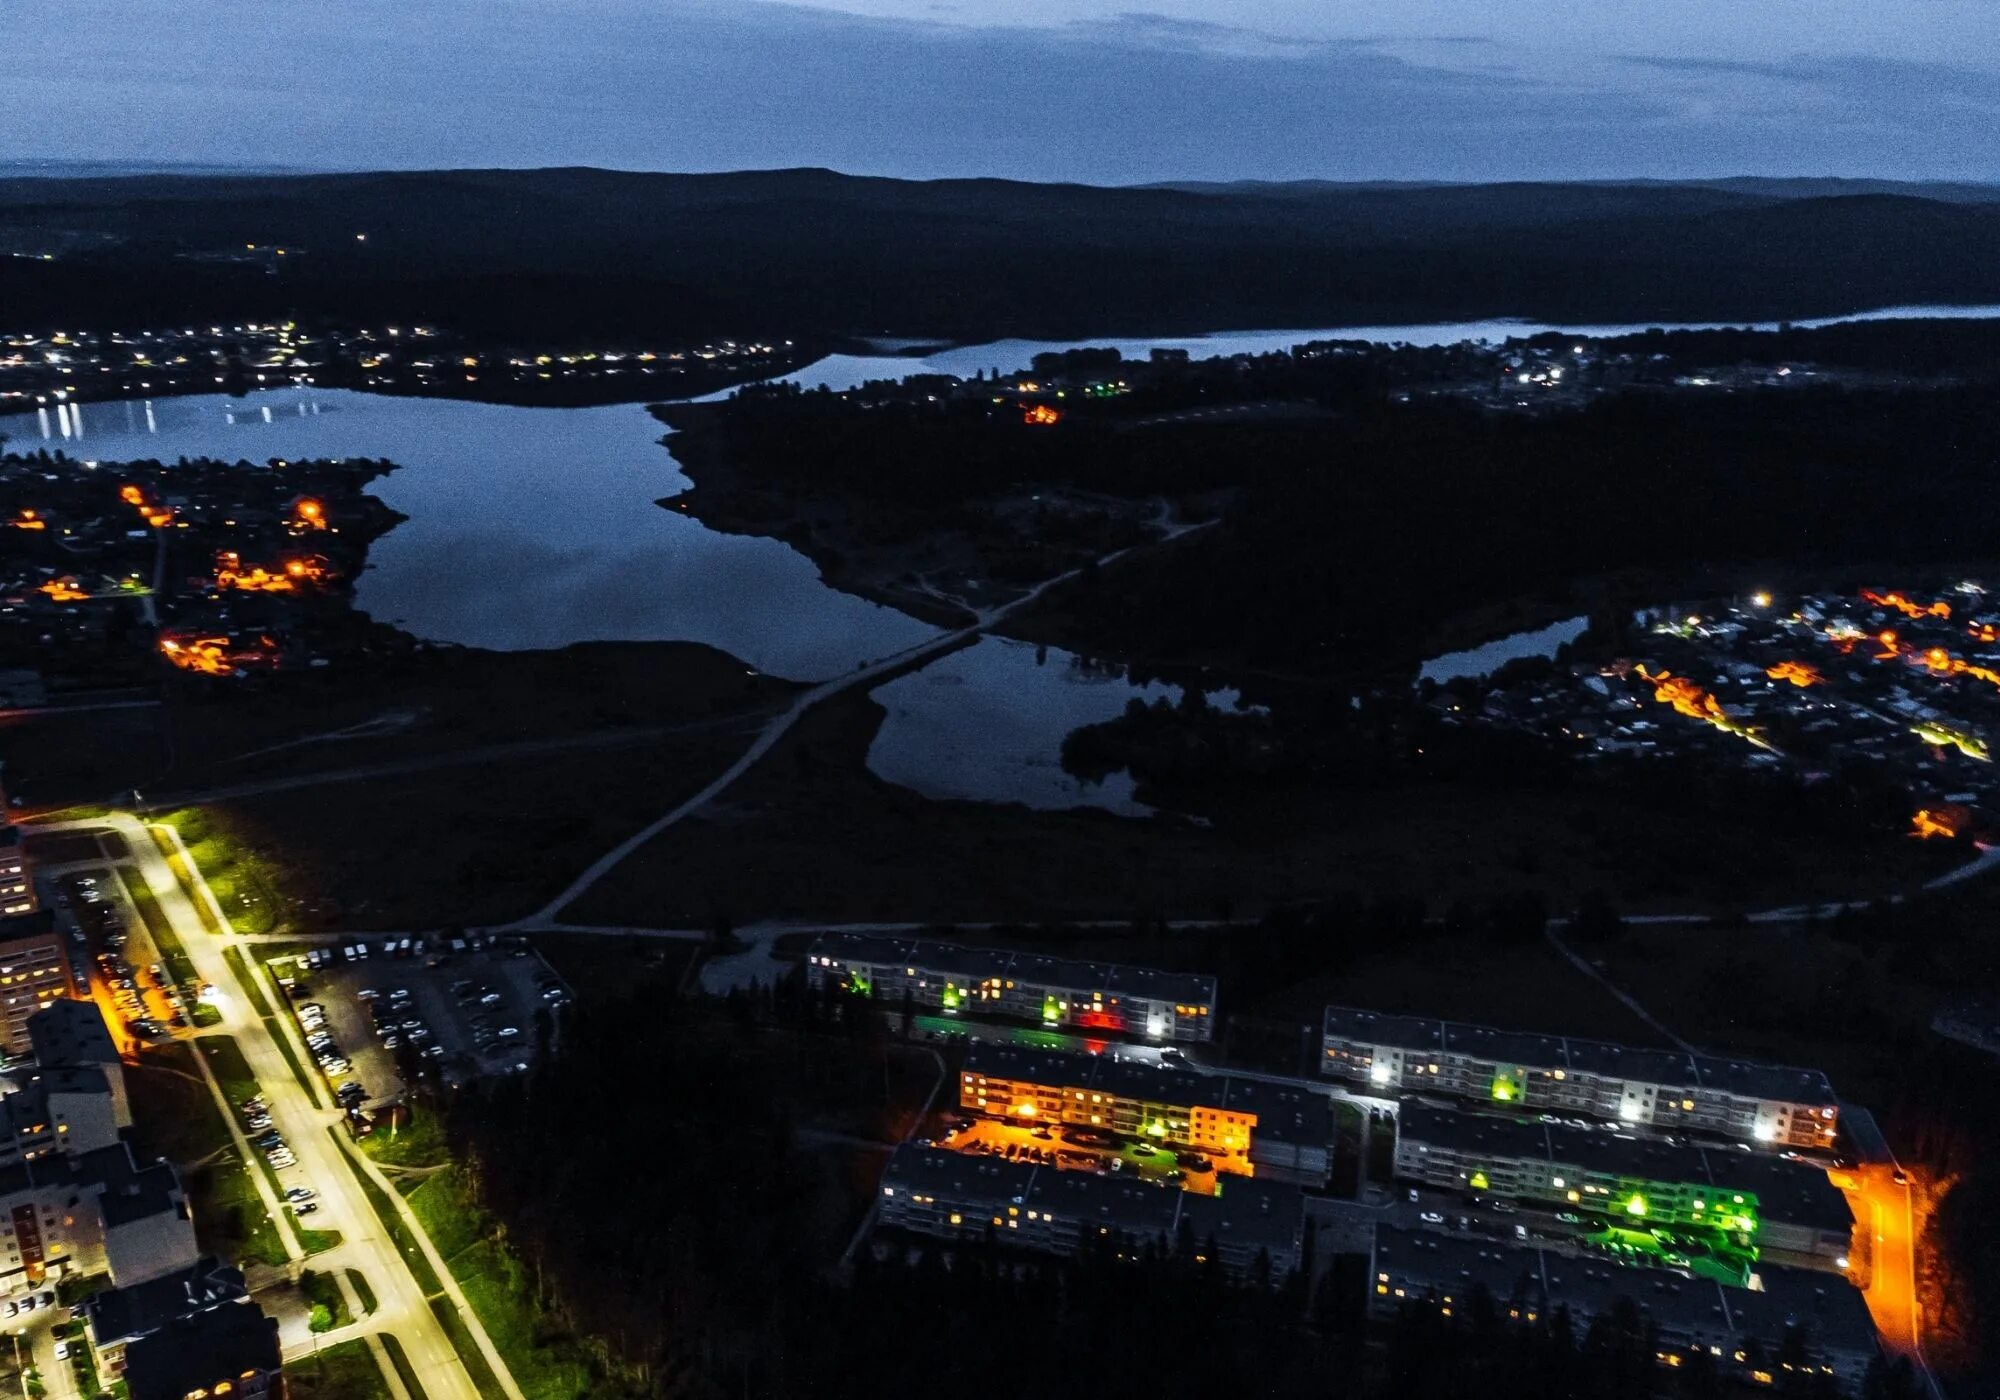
782 723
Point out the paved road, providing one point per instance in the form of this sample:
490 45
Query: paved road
782 723
1883 1208
309 1130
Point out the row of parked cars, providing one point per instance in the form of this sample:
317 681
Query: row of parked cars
127 984
27 1303
436 948
397 1022
319 1040
312 1020
265 1138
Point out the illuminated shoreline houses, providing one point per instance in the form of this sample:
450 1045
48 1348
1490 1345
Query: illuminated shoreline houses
1741 1203
1744 1329
946 1195
1108 998
1245 1126
1668 1089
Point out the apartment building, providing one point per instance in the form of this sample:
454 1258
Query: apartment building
1743 1201
34 972
218 1354
1668 1089
1244 1126
17 878
952 979
1252 1225
1743 1328
117 1317
71 1033
95 1212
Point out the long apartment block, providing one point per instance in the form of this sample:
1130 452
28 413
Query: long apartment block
1752 1200
1245 1126
1666 1089
951 1196
950 978
1744 1329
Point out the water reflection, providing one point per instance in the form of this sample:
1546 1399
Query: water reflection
1007 356
1485 660
529 527
987 723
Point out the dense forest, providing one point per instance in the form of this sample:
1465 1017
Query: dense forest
1348 544
810 253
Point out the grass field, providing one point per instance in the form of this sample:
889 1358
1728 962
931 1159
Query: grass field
546 1364
811 834
343 1372
322 1290
418 1143
399 1233
173 1114
172 956
428 850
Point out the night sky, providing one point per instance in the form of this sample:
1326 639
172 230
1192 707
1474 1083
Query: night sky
1037 89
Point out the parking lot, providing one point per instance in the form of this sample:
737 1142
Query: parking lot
112 952
1066 1150
417 1009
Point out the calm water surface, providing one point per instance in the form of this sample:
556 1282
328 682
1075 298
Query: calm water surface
847 371
1485 660
987 722
529 527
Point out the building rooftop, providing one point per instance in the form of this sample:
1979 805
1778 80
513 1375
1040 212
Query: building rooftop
71 1032
1826 1303
1795 1192
934 1171
1829 1307
131 1191
1674 1068
1248 1213
194 1352
118 1314
1283 1114
1759 1081
1479 1133
1034 970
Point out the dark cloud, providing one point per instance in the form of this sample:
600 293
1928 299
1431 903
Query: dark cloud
703 85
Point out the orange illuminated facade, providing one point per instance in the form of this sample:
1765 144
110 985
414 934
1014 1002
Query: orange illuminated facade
1799 673
1041 416
231 575
217 656
29 520
307 514
1178 1110
1927 823
63 590
1903 605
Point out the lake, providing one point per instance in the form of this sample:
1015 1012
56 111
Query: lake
1006 356
986 723
1485 660
528 528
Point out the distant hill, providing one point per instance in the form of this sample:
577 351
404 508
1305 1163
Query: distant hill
817 254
